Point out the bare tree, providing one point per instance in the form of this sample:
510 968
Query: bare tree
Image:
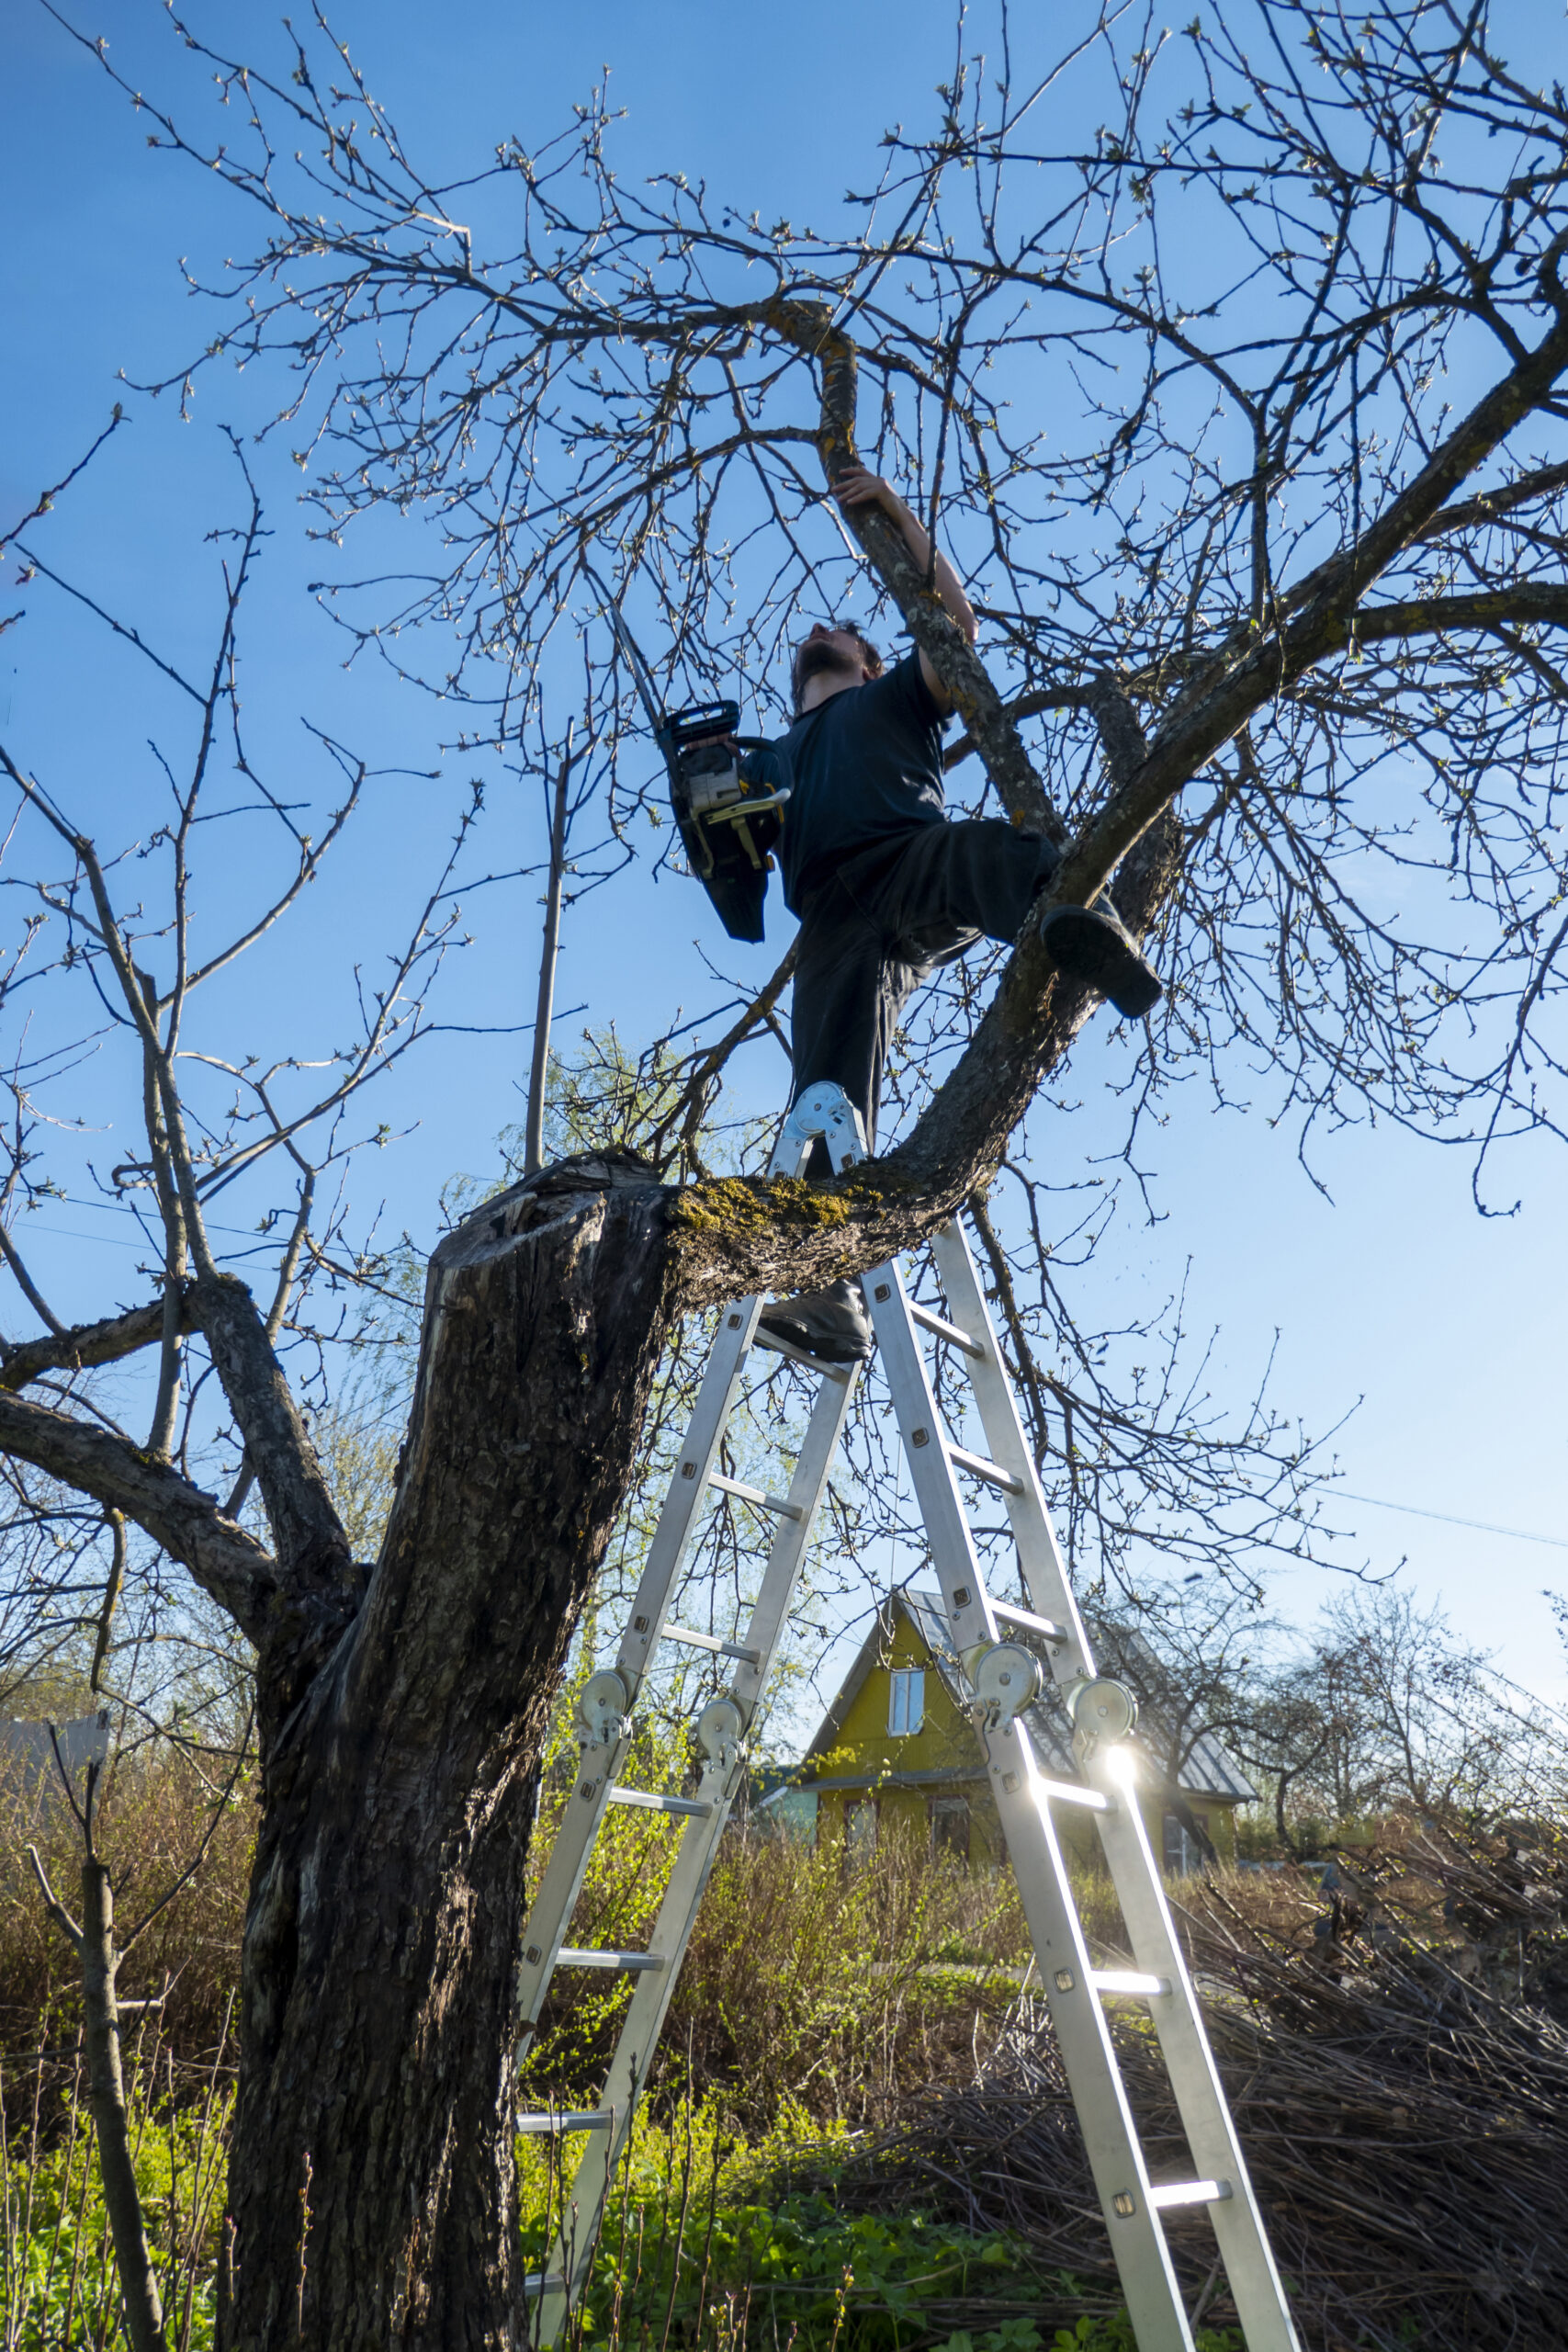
1267 625
1388 1709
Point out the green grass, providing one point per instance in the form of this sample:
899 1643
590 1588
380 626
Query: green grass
708 2246
58 2289
708 2243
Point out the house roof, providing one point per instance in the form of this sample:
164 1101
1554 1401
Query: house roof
1209 1771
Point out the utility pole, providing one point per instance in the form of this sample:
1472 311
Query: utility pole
534 1143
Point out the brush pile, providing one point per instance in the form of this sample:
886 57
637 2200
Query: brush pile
1397 2063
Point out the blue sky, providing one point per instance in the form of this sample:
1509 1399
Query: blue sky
1391 1290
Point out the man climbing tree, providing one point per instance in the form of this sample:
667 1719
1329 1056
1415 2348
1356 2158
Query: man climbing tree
886 888
1274 619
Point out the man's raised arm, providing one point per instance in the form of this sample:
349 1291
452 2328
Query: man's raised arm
859 488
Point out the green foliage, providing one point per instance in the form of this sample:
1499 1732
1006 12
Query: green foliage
61 2288
806 1985
706 2241
152 1813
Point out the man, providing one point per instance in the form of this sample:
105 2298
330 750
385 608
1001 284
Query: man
888 888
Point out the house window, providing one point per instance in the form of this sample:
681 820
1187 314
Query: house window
1183 1855
950 1827
907 1701
860 1829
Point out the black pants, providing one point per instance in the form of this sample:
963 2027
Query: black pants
870 936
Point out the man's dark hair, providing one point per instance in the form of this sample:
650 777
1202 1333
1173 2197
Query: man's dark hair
871 659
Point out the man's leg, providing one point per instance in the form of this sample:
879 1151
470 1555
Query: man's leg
849 992
955 880
837 1018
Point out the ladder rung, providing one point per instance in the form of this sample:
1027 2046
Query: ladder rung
1071 1793
991 1471
696 1807
1188 2193
544 2282
753 1494
585 2118
712 1642
584 1956
944 1330
1125 1980
1029 1623
798 1355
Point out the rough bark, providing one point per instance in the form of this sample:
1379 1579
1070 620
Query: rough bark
86 1345
389 1888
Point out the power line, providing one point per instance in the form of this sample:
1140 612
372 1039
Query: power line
1483 1526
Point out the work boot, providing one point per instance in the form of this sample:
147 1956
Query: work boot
1092 944
831 1325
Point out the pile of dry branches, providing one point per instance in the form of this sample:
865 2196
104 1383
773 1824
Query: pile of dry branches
1398 2066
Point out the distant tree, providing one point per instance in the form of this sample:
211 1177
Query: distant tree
1197 1663
1390 1708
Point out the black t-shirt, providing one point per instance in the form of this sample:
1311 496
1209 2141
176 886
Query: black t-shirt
863 767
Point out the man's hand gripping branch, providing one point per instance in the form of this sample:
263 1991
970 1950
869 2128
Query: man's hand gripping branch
857 487
1089 943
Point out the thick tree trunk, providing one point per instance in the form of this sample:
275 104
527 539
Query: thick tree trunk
372 2191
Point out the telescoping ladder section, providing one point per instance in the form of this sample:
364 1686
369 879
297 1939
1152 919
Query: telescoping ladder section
1005 1651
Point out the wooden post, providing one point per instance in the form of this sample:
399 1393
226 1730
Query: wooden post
534 1141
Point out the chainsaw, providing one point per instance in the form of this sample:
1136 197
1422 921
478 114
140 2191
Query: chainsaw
727 791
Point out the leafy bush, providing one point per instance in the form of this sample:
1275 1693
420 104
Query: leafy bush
708 2240
59 2289
840 1990
707 2244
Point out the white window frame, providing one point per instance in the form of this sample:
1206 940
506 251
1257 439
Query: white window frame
905 1700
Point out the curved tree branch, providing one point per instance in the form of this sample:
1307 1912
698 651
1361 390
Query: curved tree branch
85 1344
227 1563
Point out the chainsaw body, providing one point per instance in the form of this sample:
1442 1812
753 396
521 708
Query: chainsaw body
727 792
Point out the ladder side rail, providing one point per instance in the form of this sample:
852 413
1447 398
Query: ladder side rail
733 1342
1044 1571
720 1783
925 1450
1211 2132
1254 2283
1137 2238
571 2254
550 1913
820 1111
1116 2158
688 1494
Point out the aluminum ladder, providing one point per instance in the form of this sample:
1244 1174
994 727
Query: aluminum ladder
1004 1673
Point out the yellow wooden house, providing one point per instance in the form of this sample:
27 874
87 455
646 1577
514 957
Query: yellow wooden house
897 1747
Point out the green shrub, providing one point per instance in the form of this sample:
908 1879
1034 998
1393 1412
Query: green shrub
58 2289
836 1989
150 1822
709 2241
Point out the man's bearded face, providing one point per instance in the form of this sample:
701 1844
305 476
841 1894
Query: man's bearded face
825 650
